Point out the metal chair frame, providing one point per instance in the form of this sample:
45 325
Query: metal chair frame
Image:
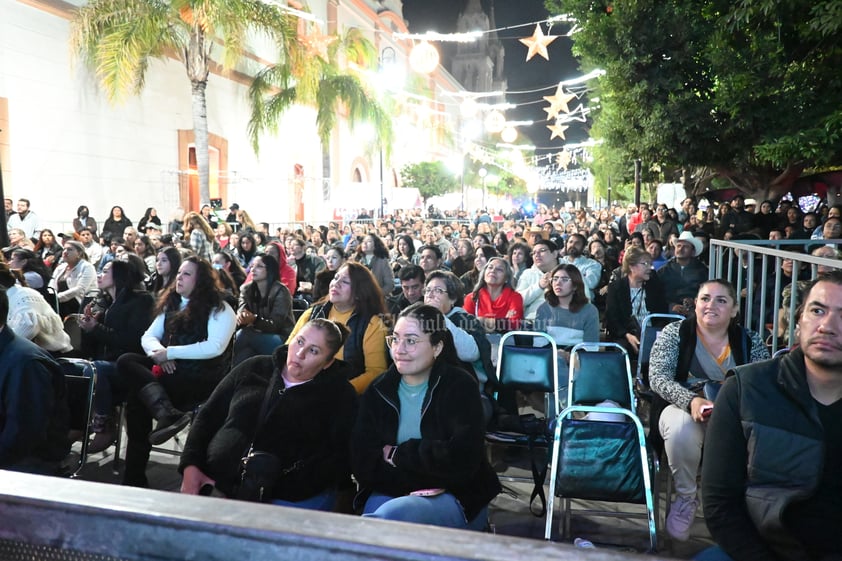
580 404
91 391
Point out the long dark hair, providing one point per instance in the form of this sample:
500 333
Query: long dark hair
126 276
579 298
410 244
379 247
174 257
207 297
272 276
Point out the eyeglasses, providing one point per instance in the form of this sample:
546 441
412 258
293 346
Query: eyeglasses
539 251
645 264
435 290
409 342
562 280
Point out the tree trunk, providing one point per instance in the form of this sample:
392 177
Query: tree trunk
200 133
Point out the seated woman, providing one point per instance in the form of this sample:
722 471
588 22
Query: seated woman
48 249
187 353
264 315
443 290
30 316
497 305
566 313
404 253
471 278
37 274
355 300
123 312
74 280
199 235
334 259
430 472
312 449
143 248
373 254
464 260
631 298
519 257
167 263
685 356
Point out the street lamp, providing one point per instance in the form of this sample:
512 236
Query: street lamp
483 173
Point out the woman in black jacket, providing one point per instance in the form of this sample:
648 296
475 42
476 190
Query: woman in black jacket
417 449
264 315
110 328
306 424
631 298
115 224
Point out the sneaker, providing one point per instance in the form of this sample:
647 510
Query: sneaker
680 518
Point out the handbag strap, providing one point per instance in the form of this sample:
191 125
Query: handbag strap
265 408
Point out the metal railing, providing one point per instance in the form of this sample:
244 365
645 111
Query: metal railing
756 267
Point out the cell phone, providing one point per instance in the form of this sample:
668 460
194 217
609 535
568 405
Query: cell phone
427 492
706 410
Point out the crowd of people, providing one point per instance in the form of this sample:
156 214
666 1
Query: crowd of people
249 336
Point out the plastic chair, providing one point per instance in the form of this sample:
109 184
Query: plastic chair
527 369
601 456
80 377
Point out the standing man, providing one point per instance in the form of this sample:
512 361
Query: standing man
772 467
25 219
535 280
682 275
33 404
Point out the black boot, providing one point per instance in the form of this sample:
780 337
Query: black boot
171 421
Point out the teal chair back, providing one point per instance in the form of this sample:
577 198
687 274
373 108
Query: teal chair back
600 375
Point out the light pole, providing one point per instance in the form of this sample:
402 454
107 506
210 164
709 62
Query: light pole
483 173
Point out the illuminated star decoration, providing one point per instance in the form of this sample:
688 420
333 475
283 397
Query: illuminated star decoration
558 102
318 43
557 130
538 43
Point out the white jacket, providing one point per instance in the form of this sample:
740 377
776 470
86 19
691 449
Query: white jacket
31 317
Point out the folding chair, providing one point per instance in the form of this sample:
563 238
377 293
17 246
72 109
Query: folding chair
80 376
602 456
527 369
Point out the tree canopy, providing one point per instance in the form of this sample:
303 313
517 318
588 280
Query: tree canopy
430 178
745 91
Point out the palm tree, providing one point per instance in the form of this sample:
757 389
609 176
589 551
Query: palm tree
331 84
117 39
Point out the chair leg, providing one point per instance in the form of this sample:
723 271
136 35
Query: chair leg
121 419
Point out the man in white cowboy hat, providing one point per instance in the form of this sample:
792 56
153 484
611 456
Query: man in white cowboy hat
682 275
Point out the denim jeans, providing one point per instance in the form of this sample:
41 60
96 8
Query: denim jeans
441 510
110 387
249 343
714 553
324 501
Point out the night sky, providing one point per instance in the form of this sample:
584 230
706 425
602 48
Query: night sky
441 16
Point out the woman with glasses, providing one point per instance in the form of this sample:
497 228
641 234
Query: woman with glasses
566 313
355 300
631 298
497 305
443 290
417 448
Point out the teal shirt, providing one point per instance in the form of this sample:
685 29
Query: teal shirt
411 400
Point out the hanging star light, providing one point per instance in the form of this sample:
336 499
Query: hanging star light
559 100
538 43
317 44
552 112
557 130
